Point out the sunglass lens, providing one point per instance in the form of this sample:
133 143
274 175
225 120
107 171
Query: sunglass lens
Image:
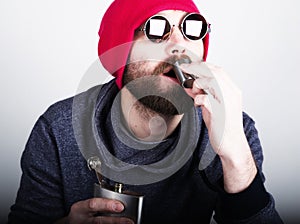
157 29
194 27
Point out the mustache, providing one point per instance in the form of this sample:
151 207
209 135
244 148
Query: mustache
160 68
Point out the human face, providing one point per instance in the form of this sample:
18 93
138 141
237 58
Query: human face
149 59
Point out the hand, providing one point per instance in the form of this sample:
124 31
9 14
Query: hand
83 212
221 104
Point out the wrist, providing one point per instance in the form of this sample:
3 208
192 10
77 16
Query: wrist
237 176
239 168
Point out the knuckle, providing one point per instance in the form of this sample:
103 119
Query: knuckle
92 203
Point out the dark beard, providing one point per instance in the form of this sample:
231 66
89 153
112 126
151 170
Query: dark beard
144 85
159 105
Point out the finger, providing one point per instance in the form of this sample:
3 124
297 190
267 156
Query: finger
192 93
221 75
111 220
103 205
202 83
197 70
202 101
196 89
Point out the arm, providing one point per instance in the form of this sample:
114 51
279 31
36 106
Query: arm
221 104
41 196
241 191
254 204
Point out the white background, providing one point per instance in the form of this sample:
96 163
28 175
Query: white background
47 46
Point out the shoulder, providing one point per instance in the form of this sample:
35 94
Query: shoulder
63 110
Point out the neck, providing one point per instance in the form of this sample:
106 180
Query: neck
144 123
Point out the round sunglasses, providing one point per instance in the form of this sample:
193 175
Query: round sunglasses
193 27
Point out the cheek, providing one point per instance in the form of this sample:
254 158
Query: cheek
136 52
196 48
145 50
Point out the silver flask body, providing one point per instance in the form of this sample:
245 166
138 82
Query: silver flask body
133 203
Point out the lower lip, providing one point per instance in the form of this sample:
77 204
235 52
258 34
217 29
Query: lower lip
171 79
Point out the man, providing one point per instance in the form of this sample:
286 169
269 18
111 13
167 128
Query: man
143 117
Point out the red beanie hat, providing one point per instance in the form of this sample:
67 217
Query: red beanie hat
120 21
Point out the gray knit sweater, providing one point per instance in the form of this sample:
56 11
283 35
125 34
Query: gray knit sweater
55 173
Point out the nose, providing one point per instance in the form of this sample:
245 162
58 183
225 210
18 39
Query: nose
176 42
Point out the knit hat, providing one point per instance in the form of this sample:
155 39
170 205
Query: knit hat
120 21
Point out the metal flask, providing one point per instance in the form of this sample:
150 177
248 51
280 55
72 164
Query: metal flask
185 80
133 202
